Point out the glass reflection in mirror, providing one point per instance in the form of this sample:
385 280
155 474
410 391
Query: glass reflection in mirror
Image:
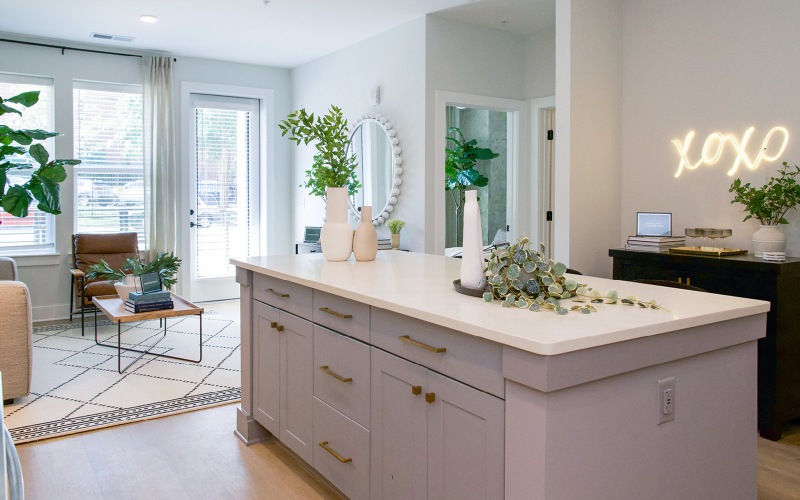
373 148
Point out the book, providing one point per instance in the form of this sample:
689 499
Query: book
661 245
656 239
153 306
143 298
646 248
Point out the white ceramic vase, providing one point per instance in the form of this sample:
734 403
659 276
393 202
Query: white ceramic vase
472 275
336 237
365 239
395 241
768 239
125 287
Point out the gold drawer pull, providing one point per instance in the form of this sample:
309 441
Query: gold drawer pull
277 294
430 397
406 338
279 328
273 324
416 390
326 369
337 314
340 458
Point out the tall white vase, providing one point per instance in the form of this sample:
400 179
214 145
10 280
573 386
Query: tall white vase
768 239
336 237
365 239
472 275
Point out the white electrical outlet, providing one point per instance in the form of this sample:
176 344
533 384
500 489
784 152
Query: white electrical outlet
666 400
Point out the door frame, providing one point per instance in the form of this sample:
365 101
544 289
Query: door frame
518 164
537 171
264 237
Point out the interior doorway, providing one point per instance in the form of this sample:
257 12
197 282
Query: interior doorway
543 137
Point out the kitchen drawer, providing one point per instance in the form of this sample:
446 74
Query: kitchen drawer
283 294
344 459
342 374
342 315
471 360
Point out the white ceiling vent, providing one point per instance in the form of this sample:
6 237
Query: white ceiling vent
116 38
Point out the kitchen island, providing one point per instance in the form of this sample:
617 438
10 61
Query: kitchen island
392 385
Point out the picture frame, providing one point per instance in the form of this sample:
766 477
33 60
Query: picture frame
149 283
656 224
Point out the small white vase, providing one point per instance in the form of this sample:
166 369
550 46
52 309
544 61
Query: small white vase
336 236
768 239
472 275
395 241
125 287
365 239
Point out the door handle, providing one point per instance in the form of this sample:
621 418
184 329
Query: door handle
192 224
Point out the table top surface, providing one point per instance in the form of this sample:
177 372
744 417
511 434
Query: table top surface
114 308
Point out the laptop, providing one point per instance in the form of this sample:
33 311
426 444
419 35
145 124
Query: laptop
311 234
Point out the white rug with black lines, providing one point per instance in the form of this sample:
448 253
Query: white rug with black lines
75 385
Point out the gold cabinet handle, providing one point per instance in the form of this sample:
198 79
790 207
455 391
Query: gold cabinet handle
688 281
680 280
334 313
279 328
326 369
408 339
277 294
330 450
416 390
430 397
273 324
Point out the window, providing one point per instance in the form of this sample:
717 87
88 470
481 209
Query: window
109 183
36 231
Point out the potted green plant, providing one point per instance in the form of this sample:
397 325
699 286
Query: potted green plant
461 157
769 204
15 147
332 175
165 264
395 225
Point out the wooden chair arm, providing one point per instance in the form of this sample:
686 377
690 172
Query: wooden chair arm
77 273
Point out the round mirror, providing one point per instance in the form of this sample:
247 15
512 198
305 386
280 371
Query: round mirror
374 143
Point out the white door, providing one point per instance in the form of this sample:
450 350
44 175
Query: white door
223 213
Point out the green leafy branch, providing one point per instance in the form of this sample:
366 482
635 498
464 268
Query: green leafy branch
769 203
165 264
43 184
333 166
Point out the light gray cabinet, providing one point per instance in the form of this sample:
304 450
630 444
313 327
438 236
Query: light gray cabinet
283 377
432 437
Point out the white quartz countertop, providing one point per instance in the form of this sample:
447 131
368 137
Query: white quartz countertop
421 286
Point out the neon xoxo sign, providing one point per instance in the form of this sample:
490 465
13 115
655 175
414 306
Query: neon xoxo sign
715 143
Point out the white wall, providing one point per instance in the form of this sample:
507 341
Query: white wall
706 66
540 64
395 61
47 277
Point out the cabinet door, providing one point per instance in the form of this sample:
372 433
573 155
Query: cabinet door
297 383
266 367
398 434
465 441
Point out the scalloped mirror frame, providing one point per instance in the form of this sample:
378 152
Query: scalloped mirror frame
382 215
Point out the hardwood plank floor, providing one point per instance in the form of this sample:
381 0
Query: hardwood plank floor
196 456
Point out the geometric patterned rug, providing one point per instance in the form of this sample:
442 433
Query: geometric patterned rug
75 386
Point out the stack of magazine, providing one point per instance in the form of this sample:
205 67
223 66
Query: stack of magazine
654 243
384 244
147 302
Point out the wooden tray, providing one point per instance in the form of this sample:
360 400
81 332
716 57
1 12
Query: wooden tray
717 252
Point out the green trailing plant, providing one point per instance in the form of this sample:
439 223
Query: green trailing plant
334 165
769 203
525 278
43 184
461 157
395 225
165 264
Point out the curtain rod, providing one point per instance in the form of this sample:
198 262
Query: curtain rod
64 48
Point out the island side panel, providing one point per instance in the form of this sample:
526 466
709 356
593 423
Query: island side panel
602 439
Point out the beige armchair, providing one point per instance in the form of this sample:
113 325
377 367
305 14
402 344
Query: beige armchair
15 336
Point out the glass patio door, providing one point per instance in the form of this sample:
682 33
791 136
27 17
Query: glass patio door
223 218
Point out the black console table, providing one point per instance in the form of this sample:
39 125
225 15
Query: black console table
750 277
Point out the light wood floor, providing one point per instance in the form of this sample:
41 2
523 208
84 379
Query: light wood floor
195 455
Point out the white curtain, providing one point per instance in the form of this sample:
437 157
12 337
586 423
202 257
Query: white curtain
161 166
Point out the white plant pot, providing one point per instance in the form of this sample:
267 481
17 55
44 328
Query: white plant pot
768 239
336 237
125 287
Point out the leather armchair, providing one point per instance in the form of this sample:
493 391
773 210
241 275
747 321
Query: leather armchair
15 336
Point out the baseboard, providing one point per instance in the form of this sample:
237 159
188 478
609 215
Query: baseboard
59 312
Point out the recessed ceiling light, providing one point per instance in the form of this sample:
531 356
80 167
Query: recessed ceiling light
147 18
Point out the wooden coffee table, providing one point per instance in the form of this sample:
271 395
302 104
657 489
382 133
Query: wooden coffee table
114 308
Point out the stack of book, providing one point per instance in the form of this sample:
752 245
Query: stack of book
384 244
774 256
146 302
654 243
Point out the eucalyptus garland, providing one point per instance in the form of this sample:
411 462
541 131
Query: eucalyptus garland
525 278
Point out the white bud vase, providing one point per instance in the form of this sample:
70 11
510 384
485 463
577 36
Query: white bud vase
365 240
336 237
472 275
768 239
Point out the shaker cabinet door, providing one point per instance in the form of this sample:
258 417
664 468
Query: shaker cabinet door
297 384
266 367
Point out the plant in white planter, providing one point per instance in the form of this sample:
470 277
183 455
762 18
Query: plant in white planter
769 204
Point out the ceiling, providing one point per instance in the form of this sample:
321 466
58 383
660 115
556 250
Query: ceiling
280 33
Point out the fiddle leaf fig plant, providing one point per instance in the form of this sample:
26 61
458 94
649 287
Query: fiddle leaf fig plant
15 147
334 165
526 279
769 203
